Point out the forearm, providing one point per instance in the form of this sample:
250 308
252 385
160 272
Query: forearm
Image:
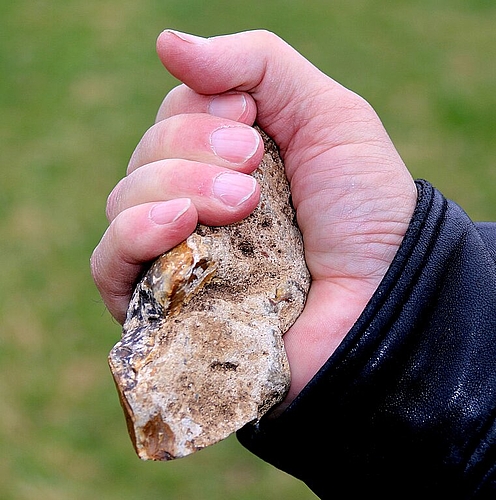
409 397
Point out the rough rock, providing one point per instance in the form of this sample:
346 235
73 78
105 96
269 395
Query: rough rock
201 353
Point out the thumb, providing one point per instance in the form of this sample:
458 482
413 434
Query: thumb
283 83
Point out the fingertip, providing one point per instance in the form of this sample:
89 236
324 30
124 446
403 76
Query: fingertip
171 42
140 233
181 36
170 222
170 211
236 106
183 55
230 105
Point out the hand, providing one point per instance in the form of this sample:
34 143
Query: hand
353 195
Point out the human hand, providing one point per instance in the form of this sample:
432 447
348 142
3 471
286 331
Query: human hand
353 195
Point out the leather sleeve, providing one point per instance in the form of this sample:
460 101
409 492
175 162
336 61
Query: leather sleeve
407 403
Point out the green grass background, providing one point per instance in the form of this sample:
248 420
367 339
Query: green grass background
79 84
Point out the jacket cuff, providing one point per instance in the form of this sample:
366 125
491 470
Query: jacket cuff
399 401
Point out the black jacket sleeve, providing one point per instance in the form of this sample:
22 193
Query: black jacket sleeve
407 403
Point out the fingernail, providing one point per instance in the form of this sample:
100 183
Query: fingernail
233 188
169 211
230 106
187 37
235 144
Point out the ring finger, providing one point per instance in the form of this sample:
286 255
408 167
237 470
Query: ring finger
221 196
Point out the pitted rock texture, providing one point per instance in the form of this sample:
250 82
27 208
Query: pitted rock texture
202 350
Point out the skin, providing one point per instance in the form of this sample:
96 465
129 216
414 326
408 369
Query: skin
353 195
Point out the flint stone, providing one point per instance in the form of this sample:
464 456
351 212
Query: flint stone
202 353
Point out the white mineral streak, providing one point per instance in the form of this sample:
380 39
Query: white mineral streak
201 353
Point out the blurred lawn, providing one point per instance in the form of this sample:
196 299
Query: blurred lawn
79 84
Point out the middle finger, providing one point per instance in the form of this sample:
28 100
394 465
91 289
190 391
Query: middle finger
200 137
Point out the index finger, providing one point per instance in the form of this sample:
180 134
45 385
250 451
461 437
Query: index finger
236 106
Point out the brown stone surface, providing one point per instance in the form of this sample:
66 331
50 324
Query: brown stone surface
201 353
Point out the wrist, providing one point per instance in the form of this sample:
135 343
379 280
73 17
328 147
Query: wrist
330 313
